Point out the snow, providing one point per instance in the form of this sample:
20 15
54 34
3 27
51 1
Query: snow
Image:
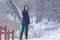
51 37
43 30
55 36
46 29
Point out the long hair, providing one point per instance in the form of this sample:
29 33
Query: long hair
26 6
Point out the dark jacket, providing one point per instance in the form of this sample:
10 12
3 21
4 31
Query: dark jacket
26 17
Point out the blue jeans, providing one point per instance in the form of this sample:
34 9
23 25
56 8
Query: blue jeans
24 27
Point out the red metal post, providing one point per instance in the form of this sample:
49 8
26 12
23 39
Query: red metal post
8 34
12 34
0 32
5 32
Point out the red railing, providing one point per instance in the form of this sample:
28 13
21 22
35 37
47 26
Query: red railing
6 33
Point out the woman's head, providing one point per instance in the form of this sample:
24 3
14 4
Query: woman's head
26 8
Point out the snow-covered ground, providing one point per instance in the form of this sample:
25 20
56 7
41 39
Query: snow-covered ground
55 36
43 30
46 29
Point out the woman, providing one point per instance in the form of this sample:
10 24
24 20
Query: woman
25 22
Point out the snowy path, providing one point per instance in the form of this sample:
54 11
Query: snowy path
51 37
55 36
